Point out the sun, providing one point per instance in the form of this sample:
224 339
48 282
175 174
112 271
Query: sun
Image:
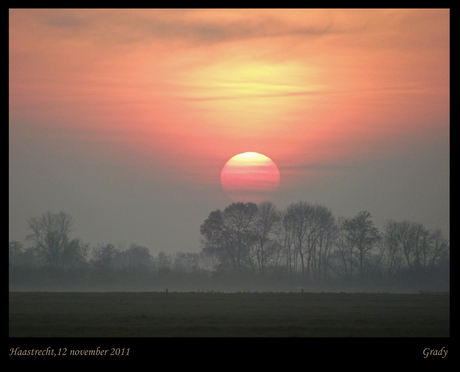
250 177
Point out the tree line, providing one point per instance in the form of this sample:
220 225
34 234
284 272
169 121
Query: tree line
306 240
302 246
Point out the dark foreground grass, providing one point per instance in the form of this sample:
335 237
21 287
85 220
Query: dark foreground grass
192 314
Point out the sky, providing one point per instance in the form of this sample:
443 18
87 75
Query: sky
125 118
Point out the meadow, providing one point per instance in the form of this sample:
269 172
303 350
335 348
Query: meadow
216 314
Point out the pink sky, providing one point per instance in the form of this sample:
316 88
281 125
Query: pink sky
166 97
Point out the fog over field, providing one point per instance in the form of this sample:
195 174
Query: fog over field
245 247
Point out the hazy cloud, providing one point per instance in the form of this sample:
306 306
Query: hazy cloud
197 27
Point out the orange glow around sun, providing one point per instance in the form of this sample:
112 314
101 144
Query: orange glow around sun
250 177
172 93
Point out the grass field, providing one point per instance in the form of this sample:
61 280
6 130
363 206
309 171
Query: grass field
198 314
